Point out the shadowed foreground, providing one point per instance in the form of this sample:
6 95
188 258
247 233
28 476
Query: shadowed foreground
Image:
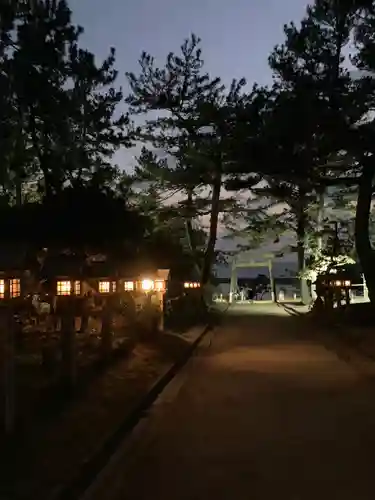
263 413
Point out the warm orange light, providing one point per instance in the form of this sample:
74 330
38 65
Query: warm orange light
15 288
77 288
64 287
2 289
114 286
160 286
128 286
192 284
104 286
147 285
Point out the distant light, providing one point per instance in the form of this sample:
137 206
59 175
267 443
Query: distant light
15 288
347 283
63 288
104 286
128 286
147 285
192 284
160 285
77 287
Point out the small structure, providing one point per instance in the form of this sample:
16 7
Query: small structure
331 289
10 285
242 260
62 275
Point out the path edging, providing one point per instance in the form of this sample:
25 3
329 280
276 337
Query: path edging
91 468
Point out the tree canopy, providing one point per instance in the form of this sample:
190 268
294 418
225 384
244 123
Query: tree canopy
260 160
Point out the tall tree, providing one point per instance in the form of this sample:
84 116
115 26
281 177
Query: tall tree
363 144
193 126
62 104
14 157
313 104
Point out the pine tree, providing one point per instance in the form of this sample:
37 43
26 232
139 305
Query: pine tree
313 105
193 128
363 144
62 105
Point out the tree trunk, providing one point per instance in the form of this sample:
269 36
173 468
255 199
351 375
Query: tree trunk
319 222
190 234
365 252
209 255
18 186
301 237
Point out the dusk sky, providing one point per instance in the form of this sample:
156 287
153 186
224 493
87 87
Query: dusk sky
237 35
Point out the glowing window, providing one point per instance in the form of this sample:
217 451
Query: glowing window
2 289
147 285
64 287
193 284
114 284
77 288
104 286
128 286
159 286
15 288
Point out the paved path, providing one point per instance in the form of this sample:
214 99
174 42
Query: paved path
263 413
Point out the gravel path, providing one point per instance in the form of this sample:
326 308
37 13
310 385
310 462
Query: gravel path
264 412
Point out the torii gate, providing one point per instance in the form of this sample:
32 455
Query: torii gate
248 263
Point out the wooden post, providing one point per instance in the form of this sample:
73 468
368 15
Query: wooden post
7 363
365 290
347 296
233 281
68 343
161 312
272 282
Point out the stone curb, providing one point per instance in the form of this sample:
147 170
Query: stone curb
91 468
